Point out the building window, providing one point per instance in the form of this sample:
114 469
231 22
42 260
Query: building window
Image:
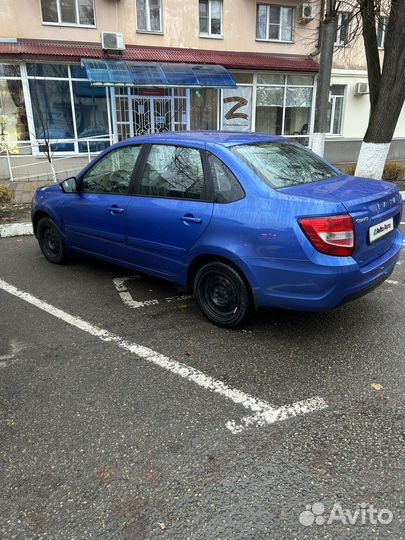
149 16
203 108
13 114
68 12
211 18
65 107
91 114
381 31
274 23
335 111
343 29
283 105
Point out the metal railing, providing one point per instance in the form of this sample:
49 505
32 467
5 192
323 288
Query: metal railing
44 151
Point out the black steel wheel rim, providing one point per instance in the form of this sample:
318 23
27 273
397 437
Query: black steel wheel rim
219 295
51 242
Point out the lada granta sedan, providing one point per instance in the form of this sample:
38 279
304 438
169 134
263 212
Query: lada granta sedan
246 220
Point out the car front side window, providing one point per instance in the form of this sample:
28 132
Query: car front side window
174 172
112 174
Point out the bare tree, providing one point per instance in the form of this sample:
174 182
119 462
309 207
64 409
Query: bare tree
386 82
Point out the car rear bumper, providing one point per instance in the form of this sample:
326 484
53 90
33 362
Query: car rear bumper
320 284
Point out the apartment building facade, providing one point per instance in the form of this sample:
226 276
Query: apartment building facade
349 96
80 74
171 65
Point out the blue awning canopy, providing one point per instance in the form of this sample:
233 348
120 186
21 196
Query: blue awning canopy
162 75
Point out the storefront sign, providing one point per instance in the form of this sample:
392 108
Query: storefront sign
237 108
151 92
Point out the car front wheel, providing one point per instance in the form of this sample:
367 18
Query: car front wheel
222 294
51 241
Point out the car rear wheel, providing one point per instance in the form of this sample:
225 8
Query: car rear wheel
222 294
51 241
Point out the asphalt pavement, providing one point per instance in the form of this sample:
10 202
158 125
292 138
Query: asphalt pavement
126 415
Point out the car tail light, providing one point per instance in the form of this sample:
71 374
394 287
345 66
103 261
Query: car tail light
333 235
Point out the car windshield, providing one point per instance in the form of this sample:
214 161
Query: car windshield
284 164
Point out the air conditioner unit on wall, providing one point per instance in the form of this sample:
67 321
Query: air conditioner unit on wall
362 89
111 41
307 13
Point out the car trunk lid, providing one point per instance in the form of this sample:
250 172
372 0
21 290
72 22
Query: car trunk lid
374 206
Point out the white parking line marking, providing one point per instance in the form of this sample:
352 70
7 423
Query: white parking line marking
392 282
7 360
126 297
264 412
15 229
264 417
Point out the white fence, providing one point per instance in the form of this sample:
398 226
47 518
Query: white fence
48 157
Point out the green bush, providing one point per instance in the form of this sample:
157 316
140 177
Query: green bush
6 195
349 169
394 172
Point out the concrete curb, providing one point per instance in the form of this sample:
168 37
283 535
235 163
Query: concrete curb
15 229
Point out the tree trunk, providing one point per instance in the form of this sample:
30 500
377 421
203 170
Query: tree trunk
328 36
387 89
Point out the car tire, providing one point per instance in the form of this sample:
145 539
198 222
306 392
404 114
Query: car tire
51 242
222 294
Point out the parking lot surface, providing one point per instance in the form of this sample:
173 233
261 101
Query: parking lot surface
126 415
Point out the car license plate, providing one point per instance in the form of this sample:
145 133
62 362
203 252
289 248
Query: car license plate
381 229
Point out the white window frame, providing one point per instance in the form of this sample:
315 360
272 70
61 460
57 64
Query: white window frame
71 25
148 30
332 99
338 41
209 34
384 21
279 40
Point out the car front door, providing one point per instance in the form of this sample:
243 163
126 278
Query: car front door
95 215
169 210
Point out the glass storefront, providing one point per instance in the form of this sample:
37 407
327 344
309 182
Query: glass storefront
41 101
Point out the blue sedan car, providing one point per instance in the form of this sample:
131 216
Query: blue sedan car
243 219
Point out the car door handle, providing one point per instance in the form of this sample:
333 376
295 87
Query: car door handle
114 209
189 218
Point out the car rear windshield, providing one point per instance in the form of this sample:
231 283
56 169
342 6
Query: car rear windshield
284 164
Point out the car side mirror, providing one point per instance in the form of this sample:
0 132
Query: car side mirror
69 185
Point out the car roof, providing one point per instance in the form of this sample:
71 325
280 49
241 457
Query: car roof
200 138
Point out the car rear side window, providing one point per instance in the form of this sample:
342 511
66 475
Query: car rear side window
112 174
226 186
284 164
173 171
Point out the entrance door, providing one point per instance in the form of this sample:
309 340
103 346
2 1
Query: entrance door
137 113
152 115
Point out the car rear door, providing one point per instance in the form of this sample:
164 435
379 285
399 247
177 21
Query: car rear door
170 209
95 216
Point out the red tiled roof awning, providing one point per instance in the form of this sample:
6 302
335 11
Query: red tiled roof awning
62 51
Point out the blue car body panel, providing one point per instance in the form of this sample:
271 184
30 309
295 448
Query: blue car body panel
259 234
